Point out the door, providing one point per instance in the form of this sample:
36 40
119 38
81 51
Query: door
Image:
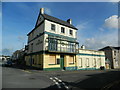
62 61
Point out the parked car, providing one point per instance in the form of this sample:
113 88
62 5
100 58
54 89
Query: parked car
4 62
7 63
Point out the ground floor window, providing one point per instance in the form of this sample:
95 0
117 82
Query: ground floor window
71 59
99 62
94 62
58 61
87 62
80 62
52 59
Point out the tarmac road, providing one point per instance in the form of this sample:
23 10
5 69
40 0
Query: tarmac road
37 79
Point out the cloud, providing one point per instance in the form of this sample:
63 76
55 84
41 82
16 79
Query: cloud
102 40
101 29
47 10
112 22
7 51
82 25
21 38
106 35
114 0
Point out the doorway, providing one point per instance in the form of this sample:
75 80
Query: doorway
62 61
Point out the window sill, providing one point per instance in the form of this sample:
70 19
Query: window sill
62 33
53 64
52 30
71 35
71 63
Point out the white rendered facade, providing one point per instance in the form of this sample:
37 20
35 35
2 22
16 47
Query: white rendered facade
90 59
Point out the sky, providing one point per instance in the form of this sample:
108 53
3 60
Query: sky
97 22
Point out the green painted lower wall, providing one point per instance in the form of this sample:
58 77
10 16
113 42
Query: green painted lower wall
50 69
70 68
89 69
58 68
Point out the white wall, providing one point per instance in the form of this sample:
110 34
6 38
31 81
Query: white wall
58 29
46 26
100 61
40 39
37 44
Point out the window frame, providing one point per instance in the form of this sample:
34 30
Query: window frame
58 61
73 61
94 62
53 27
63 30
70 32
80 62
87 62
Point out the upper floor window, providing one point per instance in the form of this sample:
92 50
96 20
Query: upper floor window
32 47
71 32
53 27
62 30
115 53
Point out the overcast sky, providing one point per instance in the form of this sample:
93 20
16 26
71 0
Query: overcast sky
97 22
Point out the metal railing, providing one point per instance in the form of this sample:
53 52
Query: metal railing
61 49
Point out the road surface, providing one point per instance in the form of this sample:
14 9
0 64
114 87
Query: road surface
36 79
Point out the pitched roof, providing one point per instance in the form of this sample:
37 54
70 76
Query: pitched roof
118 48
111 47
51 18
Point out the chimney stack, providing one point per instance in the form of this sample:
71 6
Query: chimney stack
42 10
69 21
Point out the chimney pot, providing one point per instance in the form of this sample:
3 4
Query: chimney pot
42 10
83 47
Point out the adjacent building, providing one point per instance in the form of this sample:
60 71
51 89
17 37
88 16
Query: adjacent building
4 58
18 56
112 55
52 45
90 59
